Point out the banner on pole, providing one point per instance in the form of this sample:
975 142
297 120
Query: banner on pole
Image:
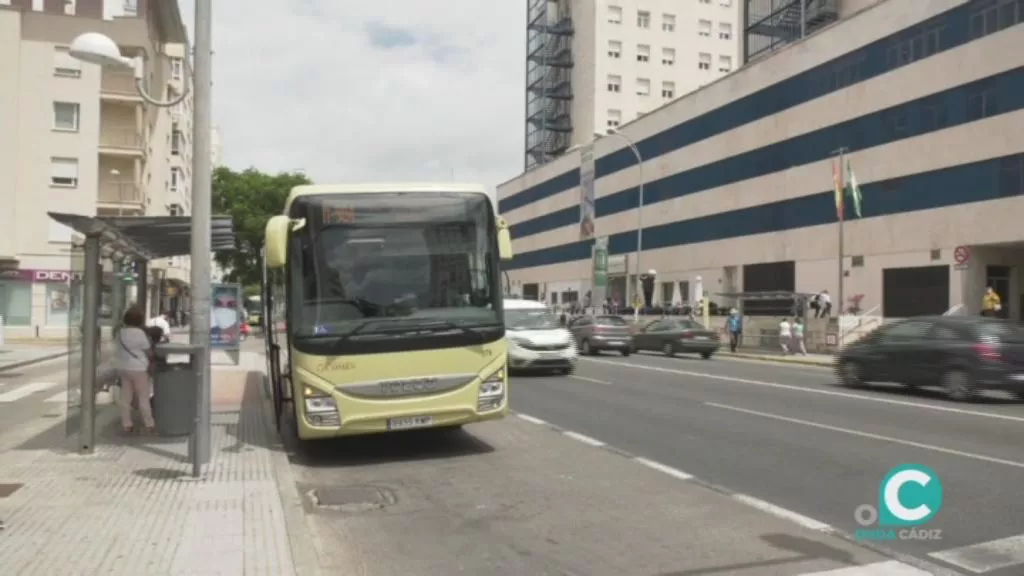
587 194
226 316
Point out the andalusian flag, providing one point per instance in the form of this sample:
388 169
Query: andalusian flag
837 176
854 189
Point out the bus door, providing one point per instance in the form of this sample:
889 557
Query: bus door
272 343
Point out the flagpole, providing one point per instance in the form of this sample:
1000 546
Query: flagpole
842 217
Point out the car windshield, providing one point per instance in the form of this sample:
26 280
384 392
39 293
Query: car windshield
426 257
688 325
611 321
1002 330
530 319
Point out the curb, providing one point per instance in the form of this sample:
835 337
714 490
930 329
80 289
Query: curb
38 360
780 360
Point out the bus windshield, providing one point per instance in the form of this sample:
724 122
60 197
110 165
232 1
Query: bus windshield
405 259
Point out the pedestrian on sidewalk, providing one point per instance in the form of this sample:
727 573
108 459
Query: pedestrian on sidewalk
799 344
735 326
991 303
785 335
132 361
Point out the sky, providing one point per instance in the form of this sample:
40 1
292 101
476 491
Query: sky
385 90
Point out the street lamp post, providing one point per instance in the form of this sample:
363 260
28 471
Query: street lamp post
639 211
99 49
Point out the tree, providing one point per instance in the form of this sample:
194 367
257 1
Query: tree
251 198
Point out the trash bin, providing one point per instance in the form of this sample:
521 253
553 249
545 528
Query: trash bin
175 390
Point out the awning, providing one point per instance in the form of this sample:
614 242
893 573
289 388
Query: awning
148 237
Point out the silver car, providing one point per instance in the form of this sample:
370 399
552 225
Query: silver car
594 334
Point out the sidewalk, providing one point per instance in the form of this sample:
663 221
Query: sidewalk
132 508
17 355
808 360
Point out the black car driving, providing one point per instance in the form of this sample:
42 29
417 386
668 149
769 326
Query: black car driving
962 354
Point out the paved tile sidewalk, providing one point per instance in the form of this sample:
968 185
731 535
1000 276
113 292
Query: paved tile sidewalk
810 359
131 508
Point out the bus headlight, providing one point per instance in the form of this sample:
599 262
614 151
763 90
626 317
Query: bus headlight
321 408
492 392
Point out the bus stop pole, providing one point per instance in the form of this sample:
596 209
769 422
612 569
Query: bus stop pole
90 343
202 80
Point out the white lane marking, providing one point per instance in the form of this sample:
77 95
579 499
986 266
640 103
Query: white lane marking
26 390
890 439
986 556
58 397
594 380
674 472
531 419
806 522
584 439
813 390
887 568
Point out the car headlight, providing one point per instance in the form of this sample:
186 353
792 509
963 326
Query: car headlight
493 385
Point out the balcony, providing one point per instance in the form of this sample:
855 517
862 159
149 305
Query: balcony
122 142
120 197
119 86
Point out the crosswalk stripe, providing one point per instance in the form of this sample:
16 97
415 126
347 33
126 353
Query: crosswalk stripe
887 568
986 556
26 390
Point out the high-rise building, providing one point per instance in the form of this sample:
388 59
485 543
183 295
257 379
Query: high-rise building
78 138
593 66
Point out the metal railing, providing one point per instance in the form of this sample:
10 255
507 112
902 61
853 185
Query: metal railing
127 138
123 192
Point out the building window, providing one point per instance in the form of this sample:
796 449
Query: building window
175 210
64 172
982 102
704 28
615 14
704 62
177 180
177 68
933 115
668 22
16 302
643 53
65 116
64 65
668 56
724 30
994 15
614 49
614 118
1012 176
177 142
668 90
643 19
725 63
131 7
643 87
614 83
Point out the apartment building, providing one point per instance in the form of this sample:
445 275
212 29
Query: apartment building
78 138
594 66
740 178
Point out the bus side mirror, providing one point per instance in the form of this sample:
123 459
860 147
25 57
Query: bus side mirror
504 240
276 248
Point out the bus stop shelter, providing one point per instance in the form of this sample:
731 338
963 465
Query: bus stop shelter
120 243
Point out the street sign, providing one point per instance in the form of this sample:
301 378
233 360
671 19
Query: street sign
962 257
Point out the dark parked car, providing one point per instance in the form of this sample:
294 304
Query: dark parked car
962 354
596 333
677 336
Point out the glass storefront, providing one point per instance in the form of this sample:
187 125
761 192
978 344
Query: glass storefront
16 303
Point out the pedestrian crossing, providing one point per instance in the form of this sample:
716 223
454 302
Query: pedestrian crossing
886 568
47 392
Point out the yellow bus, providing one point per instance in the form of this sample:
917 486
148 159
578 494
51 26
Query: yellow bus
383 308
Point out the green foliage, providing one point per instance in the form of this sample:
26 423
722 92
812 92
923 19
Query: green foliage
251 198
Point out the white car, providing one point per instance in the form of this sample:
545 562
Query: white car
536 340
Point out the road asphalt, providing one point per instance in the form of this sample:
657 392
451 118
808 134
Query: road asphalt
790 437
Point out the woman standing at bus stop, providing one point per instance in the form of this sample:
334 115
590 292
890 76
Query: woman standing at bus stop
132 361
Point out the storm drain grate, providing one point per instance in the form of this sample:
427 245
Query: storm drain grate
363 498
7 489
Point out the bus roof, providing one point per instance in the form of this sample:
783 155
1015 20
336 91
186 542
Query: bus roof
383 187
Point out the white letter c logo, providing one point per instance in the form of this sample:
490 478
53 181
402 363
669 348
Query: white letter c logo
892 495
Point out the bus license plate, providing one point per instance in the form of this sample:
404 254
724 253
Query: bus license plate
410 422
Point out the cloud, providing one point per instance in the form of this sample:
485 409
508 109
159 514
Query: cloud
388 90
